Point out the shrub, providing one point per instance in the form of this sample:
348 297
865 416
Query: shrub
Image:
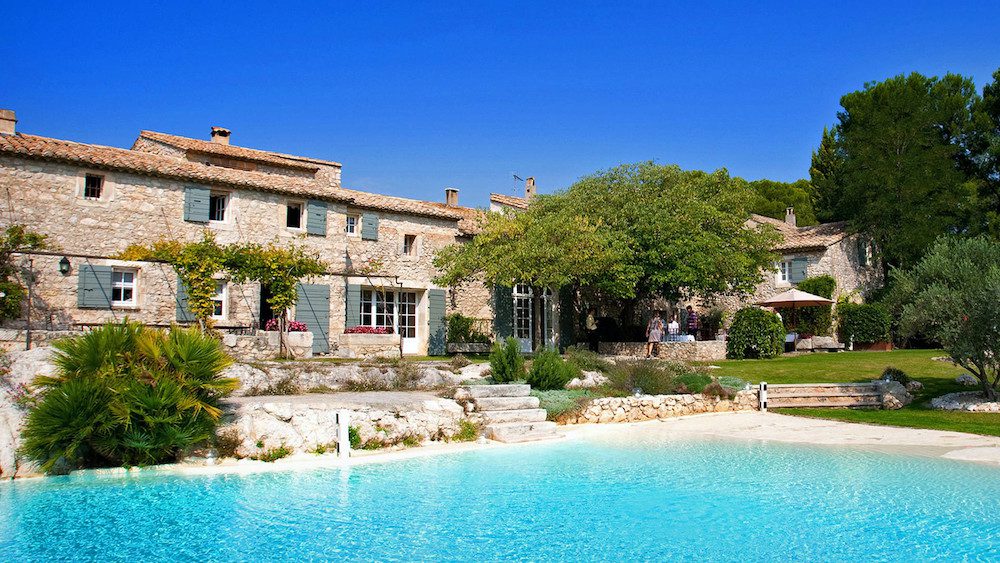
732 382
273 454
712 321
813 320
124 394
549 371
895 374
654 378
410 441
458 362
586 360
468 431
755 333
367 381
354 437
461 329
561 402
291 326
506 361
367 330
407 376
228 442
287 385
865 323
716 390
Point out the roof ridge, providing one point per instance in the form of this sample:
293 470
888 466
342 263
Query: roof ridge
209 146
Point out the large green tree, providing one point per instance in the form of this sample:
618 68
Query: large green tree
631 231
984 157
773 198
895 163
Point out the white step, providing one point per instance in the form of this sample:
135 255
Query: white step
506 403
519 415
484 391
521 431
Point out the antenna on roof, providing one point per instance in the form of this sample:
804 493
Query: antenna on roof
513 188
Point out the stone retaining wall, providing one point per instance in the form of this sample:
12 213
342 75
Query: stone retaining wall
699 351
654 407
265 345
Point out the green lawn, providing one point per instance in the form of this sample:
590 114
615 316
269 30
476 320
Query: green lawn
938 378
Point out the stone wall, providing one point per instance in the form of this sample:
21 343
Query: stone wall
303 426
654 407
698 351
368 346
267 346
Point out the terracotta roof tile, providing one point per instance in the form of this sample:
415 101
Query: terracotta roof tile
509 200
232 151
147 164
804 238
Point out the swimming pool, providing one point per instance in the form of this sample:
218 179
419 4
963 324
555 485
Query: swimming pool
617 497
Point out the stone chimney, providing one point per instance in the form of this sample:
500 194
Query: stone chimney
529 188
451 197
7 122
220 135
790 216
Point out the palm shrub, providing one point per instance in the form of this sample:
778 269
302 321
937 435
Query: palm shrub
125 394
506 361
549 371
755 333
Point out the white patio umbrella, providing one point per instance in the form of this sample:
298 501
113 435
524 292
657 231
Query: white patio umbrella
794 299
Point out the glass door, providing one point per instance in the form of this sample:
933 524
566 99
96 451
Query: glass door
523 316
408 322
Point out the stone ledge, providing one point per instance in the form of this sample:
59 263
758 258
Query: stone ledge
657 407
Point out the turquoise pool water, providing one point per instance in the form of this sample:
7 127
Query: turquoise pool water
597 499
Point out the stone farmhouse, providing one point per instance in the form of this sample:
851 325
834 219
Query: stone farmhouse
93 201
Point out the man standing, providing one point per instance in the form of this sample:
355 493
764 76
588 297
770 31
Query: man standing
692 322
592 330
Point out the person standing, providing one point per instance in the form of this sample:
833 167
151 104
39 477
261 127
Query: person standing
692 322
591 325
673 329
654 333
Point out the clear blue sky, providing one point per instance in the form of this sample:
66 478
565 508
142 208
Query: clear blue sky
413 97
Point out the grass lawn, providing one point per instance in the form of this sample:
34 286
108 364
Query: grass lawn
938 378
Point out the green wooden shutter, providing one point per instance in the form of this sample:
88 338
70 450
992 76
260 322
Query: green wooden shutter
503 311
369 226
316 217
353 306
567 317
435 320
799 269
313 308
93 289
184 314
196 203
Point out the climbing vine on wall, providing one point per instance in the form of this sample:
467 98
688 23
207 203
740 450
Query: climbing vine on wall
15 238
198 263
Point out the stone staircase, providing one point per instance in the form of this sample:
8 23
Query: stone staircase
507 413
843 395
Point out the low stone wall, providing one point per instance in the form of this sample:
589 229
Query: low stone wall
12 339
266 345
368 346
302 424
654 407
698 351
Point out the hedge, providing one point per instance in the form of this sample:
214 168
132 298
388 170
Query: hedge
813 320
865 323
755 333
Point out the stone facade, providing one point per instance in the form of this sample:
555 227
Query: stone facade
658 407
137 207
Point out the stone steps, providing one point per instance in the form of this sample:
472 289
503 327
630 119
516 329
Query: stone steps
508 412
513 432
505 403
809 402
518 415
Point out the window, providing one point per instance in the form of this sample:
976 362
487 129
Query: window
378 309
123 287
92 186
218 203
293 215
351 226
522 311
220 301
408 314
784 271
409 245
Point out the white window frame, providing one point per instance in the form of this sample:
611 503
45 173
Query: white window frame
369 308
83 191
784 271
302 215
221 294
351 224
227 211
122 285
523 295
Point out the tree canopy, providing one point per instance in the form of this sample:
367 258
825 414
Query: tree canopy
634 230
773 198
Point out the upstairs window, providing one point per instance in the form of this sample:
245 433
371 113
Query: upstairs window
293 215
93 186
409 245
123 287
784 271
218 206
351 227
